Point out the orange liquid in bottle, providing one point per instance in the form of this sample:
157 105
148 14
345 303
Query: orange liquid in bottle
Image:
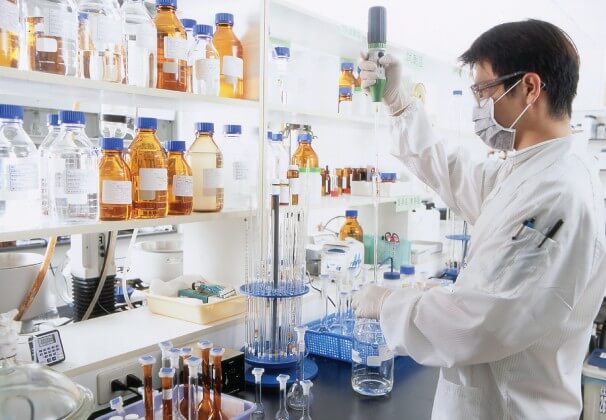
230 54
115 188
172 44
305 154
9 37
180 182
351 228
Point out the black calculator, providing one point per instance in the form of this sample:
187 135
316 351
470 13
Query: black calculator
46 348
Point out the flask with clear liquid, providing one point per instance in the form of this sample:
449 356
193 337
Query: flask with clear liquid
189 25
140 43
53 132
206 63
10 37
231 52
372 363
172 47
207 166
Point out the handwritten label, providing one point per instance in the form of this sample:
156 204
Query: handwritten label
407 203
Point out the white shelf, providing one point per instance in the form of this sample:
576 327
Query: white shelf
47 230
348 201
44 90
383 120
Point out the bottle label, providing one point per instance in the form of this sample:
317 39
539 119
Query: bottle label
294 185
175 48
9 18
183 186
233 67
212 178
240 170
58 23
207 74
46 45
116 192
153 179
22 177
167 394
373 361
171 67
105 30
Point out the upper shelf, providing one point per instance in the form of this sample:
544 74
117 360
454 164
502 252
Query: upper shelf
44 90
304 115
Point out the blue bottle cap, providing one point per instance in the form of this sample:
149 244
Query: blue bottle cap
172 3
269 135
347 66
175 146
203 30
351 213
205 127
11 112
72 117
345 91
304 137
112 143
188 23
232 129
457 92
276 137
388 176
224 18
391 275
147 123
282 51
407 269
53 120
82 17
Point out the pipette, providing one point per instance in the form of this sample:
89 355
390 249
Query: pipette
259 413
193 364
147 362
307 384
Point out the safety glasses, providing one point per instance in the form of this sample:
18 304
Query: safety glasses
484 90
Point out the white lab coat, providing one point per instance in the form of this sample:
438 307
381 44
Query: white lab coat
511 336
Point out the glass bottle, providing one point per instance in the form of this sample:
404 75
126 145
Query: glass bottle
205 407
148 165
351 228
105 58
19 190
85 46
372 362
52 34
206 63
231 53
73 169
10 34
216 354
140 42
115 188
172 47
346 78
166 378
279 79
259 413
186 353
207 166
238 155
282 413
190 37
180 180
305 155
53 132
277 157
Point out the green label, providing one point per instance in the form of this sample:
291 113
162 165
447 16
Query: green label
407 203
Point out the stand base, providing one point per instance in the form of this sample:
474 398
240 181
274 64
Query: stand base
269 377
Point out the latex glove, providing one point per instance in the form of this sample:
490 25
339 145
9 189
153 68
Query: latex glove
396 96
368 302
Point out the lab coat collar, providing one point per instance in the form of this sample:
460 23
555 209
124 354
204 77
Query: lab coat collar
556 146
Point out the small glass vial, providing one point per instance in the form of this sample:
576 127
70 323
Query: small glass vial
231 53
347 174
206 63
115 187
305 156
293 181
140 42
53 132
189 25
351 228
10 31
207 166
180 180
340 180
172 47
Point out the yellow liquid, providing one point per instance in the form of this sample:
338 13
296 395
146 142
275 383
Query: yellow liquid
227 44
304 155
146 152
112 167
347 79
177 165
205 155
351 229
167 24
48 62
9 47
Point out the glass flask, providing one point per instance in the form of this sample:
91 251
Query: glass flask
172 47
115 187
216 354
282 413
206 63
230 52
351 228
296 398
259 413
140 40
53 132
305 155
10 31
180 180
372 362
207 166
205 406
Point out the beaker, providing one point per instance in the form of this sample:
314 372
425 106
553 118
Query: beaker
372 362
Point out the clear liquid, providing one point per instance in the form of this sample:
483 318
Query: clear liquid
44 172
206 162
371 384
205 67
141 47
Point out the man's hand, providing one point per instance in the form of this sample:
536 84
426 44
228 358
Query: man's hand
396 96
368 302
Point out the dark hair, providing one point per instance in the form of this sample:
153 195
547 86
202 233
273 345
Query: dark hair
534 46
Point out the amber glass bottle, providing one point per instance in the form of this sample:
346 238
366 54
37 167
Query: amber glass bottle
180 180
230 53
172 47
305 154
351 228
9 35
115 188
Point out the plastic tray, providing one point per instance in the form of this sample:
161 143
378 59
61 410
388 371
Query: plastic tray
234 408
185 309
328 344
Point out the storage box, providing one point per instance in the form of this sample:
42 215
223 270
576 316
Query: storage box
193 310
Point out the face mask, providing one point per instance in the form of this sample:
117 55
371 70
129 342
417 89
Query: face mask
493 134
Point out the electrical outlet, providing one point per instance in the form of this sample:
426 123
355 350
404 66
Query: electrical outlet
105 377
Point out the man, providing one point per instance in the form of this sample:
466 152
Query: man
511 336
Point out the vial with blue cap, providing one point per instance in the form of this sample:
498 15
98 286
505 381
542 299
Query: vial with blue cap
172 47
206 64
279 75
351 228
180 179
19 191
53 132
115 187
141 44
231 54
305 156
207 167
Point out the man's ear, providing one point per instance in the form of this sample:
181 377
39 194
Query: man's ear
531 85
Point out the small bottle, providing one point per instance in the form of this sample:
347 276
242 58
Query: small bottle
293 181
180 180
85 46
238 155
206 63
279 81
140 42
277 157
147 363
346 78
231 53
207 166
347 174
351 228
19 190
73 169
172 47
345 101
189 25
407 275
10 31
105 60
148 165
115 188
53 132
334 188
305 155
52 35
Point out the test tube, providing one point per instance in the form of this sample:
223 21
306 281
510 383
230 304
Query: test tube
216 354
174 355
205 407
193 364
259 413
147 362
166 377
165 346
185 354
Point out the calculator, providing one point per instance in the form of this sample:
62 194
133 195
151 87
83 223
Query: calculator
46 348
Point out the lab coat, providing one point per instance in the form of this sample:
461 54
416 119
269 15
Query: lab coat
512 334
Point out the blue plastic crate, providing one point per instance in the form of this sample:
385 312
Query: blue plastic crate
328 344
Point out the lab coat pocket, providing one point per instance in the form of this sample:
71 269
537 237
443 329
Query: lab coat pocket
453 401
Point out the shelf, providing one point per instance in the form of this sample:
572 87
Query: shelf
44 90
329 116
348 201
596 139
44 231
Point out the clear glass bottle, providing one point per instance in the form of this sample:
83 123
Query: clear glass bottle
206 63
305 155
85 46
140 40
279 79
372 362
105 58
180 180
53 132
277 160
172 47
10 31
207 166
115 187
19 190
52 35
231 53
148 166
73 169
189 25
238 157
351 228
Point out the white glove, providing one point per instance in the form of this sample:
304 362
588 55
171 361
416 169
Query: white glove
396 95
368 302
